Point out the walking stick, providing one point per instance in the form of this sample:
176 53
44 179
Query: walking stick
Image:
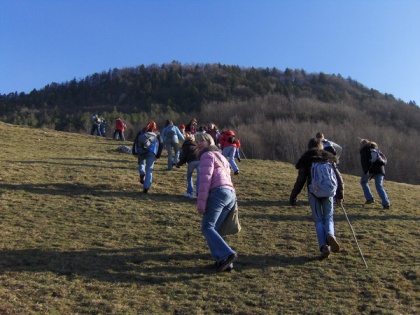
354 234
243 153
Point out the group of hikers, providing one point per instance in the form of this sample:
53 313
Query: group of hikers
212 155
99 127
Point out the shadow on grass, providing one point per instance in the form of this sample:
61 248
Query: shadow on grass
86 164
147 265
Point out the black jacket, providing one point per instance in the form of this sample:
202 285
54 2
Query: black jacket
304 165
189 152
367 166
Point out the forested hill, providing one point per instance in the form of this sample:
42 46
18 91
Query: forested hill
274 112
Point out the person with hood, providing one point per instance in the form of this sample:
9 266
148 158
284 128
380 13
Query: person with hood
322 208
146 161
190 156
216 198
119 129
171 136
227 143
375 170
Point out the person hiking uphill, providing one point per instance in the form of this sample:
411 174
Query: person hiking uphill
147 155
322 208
227 143
372 168
216 199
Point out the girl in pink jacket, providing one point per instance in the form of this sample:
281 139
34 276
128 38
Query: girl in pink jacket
216 198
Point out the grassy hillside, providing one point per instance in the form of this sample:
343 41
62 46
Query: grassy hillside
79 237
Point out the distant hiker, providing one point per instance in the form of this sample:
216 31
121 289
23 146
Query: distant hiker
96 122
148 147
190 156
330 146
120 127
373 167
191 127
216 198
171 136
102 127
214 132
322 208
227 143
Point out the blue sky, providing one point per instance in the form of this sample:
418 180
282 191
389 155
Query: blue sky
375 42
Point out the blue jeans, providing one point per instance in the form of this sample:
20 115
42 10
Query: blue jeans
96 127
229 153
220 202
146 163
322 214
169 145
379 182
194 165
120 134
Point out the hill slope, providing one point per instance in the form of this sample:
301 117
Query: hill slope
78 236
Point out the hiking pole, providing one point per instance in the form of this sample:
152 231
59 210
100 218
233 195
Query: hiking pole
243 153
354 234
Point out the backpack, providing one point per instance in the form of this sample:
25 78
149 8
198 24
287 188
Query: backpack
328 147
143 142
324 181
377 157
232 139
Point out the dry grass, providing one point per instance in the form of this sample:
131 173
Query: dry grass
79 237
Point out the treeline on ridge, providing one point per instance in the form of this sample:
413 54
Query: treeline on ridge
273 112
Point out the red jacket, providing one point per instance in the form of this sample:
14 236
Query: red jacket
224 139
119 125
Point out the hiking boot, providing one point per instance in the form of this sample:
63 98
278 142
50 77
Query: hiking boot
236 173
386 207
145 190
224 264
325 251
239 159
332 242
142 179
368 202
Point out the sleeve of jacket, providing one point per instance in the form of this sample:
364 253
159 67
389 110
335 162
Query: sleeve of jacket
179 134
365 159
299 184
340 189
183 157
206 174
159 152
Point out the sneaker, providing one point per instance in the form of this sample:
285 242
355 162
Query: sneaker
386 207
332 242
188 195
325 251
145 190
142 179
223 265
228 269
368 202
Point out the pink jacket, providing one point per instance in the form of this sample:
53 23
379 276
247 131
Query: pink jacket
212 175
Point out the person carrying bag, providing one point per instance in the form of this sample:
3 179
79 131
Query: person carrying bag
216 200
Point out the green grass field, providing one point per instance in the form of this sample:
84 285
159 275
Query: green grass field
78 236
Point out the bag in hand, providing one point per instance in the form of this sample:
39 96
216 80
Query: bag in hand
231 224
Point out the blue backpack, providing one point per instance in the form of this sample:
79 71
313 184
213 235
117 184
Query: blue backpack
324 181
